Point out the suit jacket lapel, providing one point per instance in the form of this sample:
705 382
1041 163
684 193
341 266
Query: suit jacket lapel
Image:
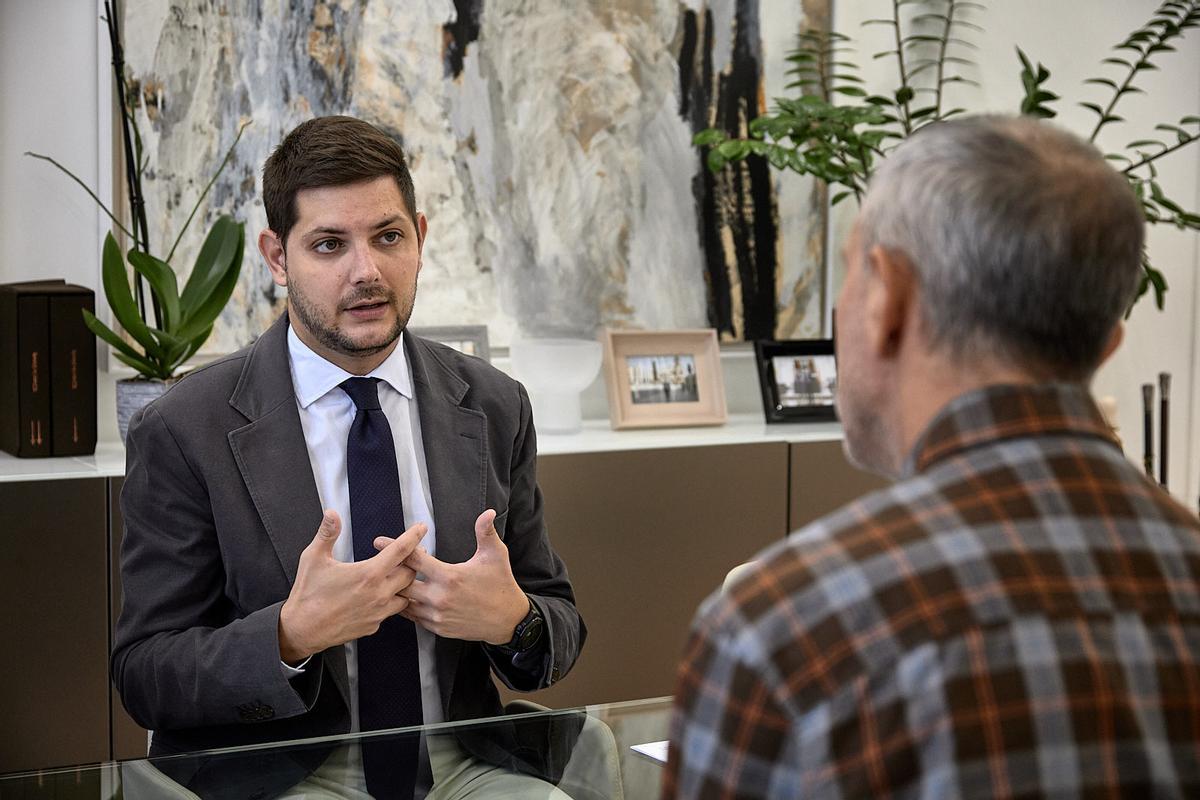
455 443
273 458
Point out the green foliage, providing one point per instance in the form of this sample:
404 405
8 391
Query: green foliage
835 131
1036 97
187 318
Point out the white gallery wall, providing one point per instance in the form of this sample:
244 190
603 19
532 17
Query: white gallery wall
53 69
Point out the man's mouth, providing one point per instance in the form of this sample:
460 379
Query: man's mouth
368 304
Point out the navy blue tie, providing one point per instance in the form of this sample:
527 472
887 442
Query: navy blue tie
389 678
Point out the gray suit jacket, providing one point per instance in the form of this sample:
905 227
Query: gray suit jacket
219 501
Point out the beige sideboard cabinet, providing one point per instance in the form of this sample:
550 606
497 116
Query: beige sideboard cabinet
648 523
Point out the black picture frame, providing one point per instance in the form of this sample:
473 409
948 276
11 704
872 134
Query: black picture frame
805 394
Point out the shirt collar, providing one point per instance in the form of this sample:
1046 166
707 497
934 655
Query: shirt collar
313 376
994 413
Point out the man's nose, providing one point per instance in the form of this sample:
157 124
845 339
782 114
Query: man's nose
363 268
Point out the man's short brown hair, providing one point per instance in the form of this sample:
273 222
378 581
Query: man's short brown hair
330 151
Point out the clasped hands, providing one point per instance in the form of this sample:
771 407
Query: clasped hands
334 602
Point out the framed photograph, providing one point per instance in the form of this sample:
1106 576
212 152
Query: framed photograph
469 339
660 379
798 379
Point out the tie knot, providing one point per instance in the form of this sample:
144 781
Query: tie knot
363 391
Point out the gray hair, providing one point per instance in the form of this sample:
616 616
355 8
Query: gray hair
1026 243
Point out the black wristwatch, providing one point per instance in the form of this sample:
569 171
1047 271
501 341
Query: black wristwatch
527 633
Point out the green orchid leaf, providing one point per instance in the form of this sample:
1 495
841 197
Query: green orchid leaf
107 335
197 342
142 366
217 256
207 312
162 282
120 297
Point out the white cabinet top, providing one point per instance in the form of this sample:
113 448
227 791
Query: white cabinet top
596 437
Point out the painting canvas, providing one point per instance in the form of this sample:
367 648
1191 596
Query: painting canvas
550 143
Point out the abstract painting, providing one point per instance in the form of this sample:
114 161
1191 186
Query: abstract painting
549 140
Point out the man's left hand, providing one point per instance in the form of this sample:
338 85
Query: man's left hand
477 600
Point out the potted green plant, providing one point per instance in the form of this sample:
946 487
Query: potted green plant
182 321
839 142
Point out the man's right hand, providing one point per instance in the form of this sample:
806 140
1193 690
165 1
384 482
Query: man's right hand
333 602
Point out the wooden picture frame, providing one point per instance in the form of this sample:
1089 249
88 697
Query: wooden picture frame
471 340
659 379
798 379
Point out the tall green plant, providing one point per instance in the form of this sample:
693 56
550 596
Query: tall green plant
832 129
182 322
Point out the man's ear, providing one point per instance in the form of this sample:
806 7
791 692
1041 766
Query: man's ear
272 251
422 229
891 299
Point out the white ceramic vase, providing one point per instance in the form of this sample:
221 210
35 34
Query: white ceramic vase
554 372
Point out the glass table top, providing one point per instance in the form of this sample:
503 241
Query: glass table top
597 752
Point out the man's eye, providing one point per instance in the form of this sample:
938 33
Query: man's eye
390 237
326 246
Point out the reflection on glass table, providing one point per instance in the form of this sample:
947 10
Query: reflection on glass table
580 754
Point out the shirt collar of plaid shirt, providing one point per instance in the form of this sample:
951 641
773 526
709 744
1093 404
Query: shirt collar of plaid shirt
1009 411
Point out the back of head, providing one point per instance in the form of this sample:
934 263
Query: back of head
329 151
1026 243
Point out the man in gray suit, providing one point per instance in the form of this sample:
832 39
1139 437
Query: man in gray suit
247 603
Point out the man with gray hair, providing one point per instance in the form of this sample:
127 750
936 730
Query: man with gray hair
1019 614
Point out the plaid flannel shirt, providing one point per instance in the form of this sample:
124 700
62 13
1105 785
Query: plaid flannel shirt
1019 616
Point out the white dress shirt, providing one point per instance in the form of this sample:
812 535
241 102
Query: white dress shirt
326 413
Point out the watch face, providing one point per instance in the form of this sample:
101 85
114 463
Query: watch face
530 634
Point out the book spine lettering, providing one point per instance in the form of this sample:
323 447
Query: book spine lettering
33 335
72 376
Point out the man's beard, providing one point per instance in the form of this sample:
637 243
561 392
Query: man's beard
332 337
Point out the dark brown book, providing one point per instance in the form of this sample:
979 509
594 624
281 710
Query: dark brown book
72 372
24 370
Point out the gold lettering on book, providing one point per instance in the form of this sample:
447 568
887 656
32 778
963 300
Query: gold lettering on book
35 371
74 368
75 429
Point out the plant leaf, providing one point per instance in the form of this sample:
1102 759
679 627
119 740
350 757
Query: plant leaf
120 297
162 282
142 366
203 315
215 257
